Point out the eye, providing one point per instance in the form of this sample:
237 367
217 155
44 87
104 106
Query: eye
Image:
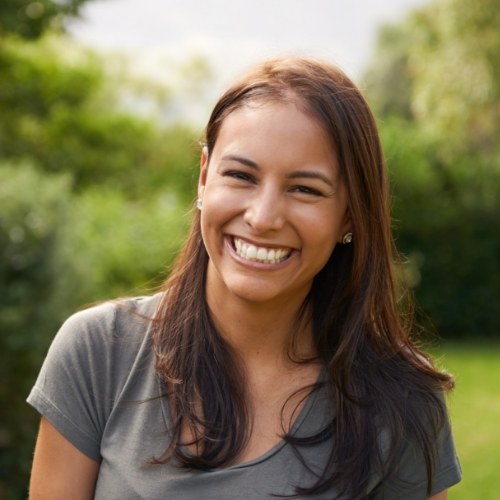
306 190
239 175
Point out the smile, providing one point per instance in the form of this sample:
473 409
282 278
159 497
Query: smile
260 254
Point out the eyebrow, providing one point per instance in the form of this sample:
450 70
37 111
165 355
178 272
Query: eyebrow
298 174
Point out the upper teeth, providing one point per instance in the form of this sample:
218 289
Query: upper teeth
260 254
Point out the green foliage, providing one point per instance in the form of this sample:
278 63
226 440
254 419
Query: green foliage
388 80
32 206
30 19
445 224
456 76
440 132
39 77
112 246
57 109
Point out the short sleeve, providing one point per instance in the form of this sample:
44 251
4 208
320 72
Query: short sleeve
74 390
409 480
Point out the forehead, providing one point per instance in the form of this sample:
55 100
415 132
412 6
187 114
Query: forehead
275 133
283 118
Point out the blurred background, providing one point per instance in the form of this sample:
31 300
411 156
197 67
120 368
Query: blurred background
102 105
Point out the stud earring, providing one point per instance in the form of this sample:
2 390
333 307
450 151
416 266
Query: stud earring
199 203
347 238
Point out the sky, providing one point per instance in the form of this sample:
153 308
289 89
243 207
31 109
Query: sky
231 35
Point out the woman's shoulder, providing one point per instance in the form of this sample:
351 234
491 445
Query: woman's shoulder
113 329
94 355
95 348
114 318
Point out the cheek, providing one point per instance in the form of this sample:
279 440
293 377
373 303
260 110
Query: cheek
221 202
322 225
324 247
322 238
216 212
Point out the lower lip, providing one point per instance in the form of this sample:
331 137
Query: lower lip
254 263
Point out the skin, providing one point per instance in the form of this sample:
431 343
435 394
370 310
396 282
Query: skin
278 176
442 495
279 180
60 471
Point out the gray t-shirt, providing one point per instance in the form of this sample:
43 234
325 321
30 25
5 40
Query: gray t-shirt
99 388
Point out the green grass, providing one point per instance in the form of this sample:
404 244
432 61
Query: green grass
475 414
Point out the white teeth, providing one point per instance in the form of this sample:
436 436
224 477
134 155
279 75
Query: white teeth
251 252
260 254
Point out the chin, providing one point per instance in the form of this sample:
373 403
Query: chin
256 295
264 292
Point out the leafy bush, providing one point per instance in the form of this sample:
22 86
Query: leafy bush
57 107
32 208
111 246
445 221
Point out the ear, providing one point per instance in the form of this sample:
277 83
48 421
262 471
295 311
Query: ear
203 172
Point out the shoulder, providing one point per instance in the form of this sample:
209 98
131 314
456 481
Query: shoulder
90 361
101 342
108 322
121 310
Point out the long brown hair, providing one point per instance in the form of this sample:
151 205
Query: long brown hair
376 374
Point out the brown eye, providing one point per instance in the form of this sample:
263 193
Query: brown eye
236 174
306 190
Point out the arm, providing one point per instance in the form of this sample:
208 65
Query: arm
442 495
60 470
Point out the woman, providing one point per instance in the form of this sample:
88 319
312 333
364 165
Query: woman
275 362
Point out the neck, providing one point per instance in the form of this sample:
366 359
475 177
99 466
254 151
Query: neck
261 333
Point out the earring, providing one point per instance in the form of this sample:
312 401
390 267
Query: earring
347 238
199 203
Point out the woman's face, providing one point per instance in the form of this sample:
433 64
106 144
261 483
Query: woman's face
274 205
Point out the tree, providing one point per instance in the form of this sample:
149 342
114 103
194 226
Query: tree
440 132
444 62
59 107
30 19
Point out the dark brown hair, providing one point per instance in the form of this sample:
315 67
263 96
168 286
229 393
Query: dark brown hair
375 372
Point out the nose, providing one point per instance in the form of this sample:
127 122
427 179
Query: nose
265 211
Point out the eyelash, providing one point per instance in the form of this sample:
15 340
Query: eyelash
306 190
243 176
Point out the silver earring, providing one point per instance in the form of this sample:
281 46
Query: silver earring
199 203
347 238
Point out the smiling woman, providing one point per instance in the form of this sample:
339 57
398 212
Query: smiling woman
277 174
274 363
